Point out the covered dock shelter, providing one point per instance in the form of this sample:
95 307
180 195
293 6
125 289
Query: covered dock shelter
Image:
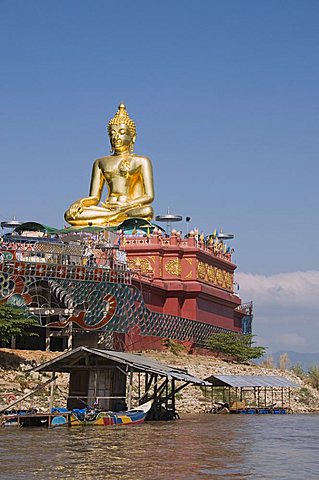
117 381
252 393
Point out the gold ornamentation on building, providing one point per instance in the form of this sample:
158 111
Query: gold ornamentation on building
140 264
211 273
189 260
201 270
174 267
220 277
214 275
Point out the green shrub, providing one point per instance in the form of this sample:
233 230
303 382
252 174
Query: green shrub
175 347
305 396
313 376
236 346
298 370
15 321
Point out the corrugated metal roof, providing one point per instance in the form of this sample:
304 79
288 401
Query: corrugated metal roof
137 362
251 381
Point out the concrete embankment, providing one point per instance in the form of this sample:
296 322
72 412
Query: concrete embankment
17 379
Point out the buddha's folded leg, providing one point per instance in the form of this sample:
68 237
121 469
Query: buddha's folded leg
101 216
142 212
90 215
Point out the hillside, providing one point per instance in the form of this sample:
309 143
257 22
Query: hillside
16 379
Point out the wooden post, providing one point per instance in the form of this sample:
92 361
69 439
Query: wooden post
95 385
139 384
52 391
130 387
155 389
173 395
146 387
205 395
166 395
289 399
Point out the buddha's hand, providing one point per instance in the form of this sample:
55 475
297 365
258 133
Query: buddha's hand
115 206
76 209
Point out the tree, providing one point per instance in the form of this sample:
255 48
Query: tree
15 321
236 346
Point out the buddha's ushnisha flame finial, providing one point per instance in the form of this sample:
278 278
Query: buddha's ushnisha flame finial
122 117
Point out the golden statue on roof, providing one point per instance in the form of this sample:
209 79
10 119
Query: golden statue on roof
128 178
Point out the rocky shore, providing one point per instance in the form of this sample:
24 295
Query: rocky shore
17 379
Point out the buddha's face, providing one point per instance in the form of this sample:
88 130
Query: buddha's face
120 138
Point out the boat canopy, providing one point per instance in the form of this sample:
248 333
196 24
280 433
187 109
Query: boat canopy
138 363
241 381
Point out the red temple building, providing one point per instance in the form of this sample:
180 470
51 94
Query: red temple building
185 277
128 292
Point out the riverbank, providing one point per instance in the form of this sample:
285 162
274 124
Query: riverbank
17 379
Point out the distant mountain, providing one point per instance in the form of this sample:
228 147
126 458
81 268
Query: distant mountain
305 360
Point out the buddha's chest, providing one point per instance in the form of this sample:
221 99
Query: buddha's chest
121 168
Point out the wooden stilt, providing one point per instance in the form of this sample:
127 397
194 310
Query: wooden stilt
205 395
289 392
53 377
130 389
139 385
173 396
155 388
95 385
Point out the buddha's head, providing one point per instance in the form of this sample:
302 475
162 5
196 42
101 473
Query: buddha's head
122 131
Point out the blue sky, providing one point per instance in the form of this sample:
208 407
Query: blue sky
225 98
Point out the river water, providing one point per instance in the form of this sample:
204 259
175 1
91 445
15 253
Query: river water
195 447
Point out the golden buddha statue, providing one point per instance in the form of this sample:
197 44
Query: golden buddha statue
128 177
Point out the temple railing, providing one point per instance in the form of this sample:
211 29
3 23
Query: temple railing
246 308
175 241
67 264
